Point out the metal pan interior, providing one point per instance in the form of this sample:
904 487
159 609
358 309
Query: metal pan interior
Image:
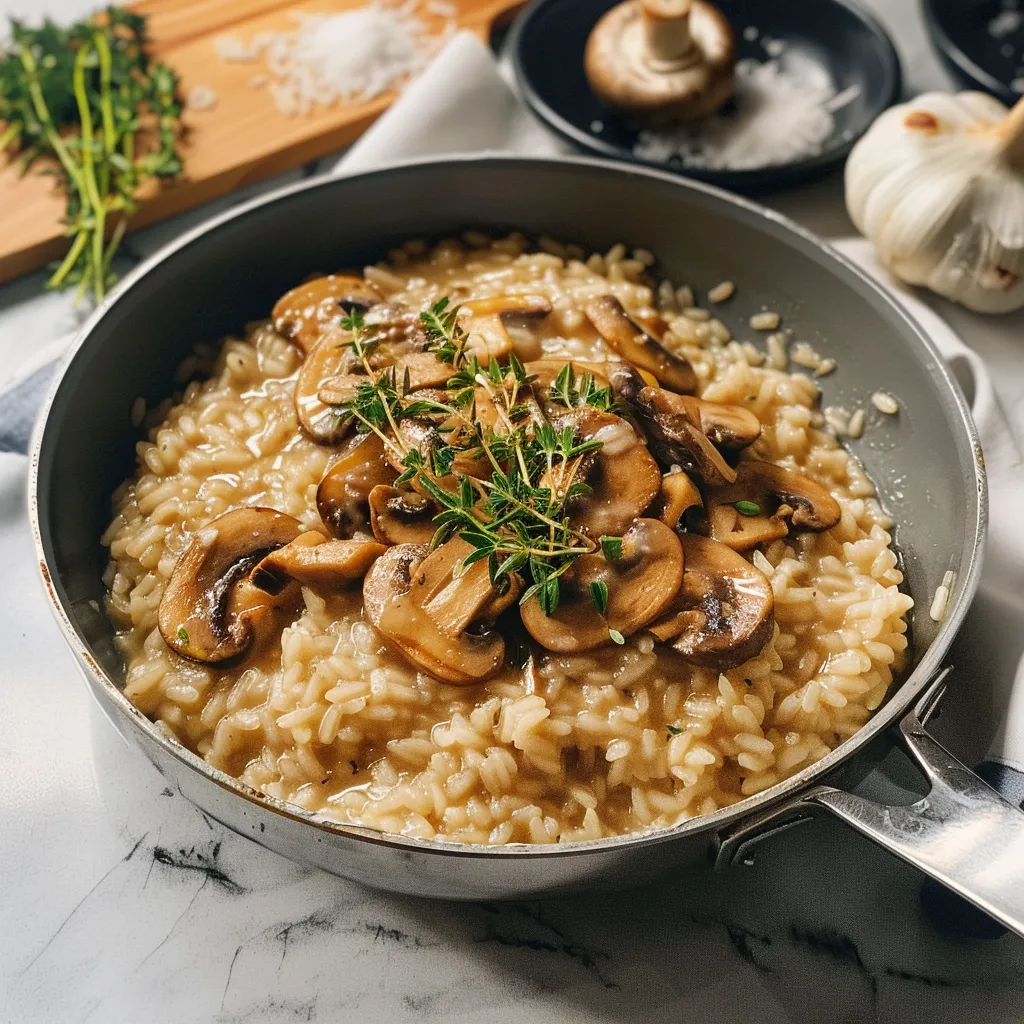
926 462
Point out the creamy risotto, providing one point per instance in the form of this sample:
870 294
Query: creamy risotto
387 558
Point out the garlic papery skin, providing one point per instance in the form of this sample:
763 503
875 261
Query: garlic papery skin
937 185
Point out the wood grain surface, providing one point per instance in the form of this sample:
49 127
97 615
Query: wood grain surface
243 138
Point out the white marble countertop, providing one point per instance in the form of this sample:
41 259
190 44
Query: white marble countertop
121 902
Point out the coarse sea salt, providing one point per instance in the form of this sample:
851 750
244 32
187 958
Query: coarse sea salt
349 57
781 112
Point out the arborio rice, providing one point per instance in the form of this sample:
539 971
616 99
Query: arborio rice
613 741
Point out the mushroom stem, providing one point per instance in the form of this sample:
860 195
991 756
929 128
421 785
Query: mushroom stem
667 34
1011 132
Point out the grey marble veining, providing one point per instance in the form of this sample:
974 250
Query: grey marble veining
120 902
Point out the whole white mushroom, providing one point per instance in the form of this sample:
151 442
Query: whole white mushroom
937 184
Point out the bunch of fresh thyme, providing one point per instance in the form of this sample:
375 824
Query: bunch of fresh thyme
513 515
80 96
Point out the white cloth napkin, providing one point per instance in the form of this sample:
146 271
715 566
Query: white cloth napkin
461 103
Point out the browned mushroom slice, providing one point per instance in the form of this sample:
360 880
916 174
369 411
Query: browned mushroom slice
401 517
327 358
641 585
438 619
677 438
306 311
396 326
200 615
729 426
546 371
662 61
723 614
621 474
425 370
341 390
314 561
634 344
487 338
511 308
765 502
342 498
678 493
626 382
424 435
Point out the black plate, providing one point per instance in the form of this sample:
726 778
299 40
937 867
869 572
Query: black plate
547 49
982 43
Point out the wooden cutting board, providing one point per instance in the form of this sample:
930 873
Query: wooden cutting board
242 139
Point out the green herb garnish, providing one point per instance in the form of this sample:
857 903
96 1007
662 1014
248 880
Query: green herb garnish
564 389
183 636
599 595
748 508
78 96
616 636
612 547
513 514
674 729
447 338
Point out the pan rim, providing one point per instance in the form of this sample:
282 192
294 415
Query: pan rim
781 793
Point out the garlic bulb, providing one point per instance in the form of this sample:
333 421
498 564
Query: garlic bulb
937 185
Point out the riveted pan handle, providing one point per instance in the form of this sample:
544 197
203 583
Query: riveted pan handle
962 833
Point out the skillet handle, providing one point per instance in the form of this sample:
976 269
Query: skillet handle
963 833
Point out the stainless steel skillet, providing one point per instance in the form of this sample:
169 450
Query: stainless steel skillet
927 462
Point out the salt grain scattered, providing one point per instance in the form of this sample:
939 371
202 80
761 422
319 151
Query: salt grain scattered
351 56
884 402
1005 23
201 97
781 115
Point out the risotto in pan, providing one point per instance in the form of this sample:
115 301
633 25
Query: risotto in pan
496 543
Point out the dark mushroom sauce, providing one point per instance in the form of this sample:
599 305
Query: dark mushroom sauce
502 543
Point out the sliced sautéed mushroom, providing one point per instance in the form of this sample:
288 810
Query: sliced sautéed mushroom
492 543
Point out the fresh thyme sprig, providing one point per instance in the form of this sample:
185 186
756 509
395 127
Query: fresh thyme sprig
564 389
79 96
514 515
445 334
